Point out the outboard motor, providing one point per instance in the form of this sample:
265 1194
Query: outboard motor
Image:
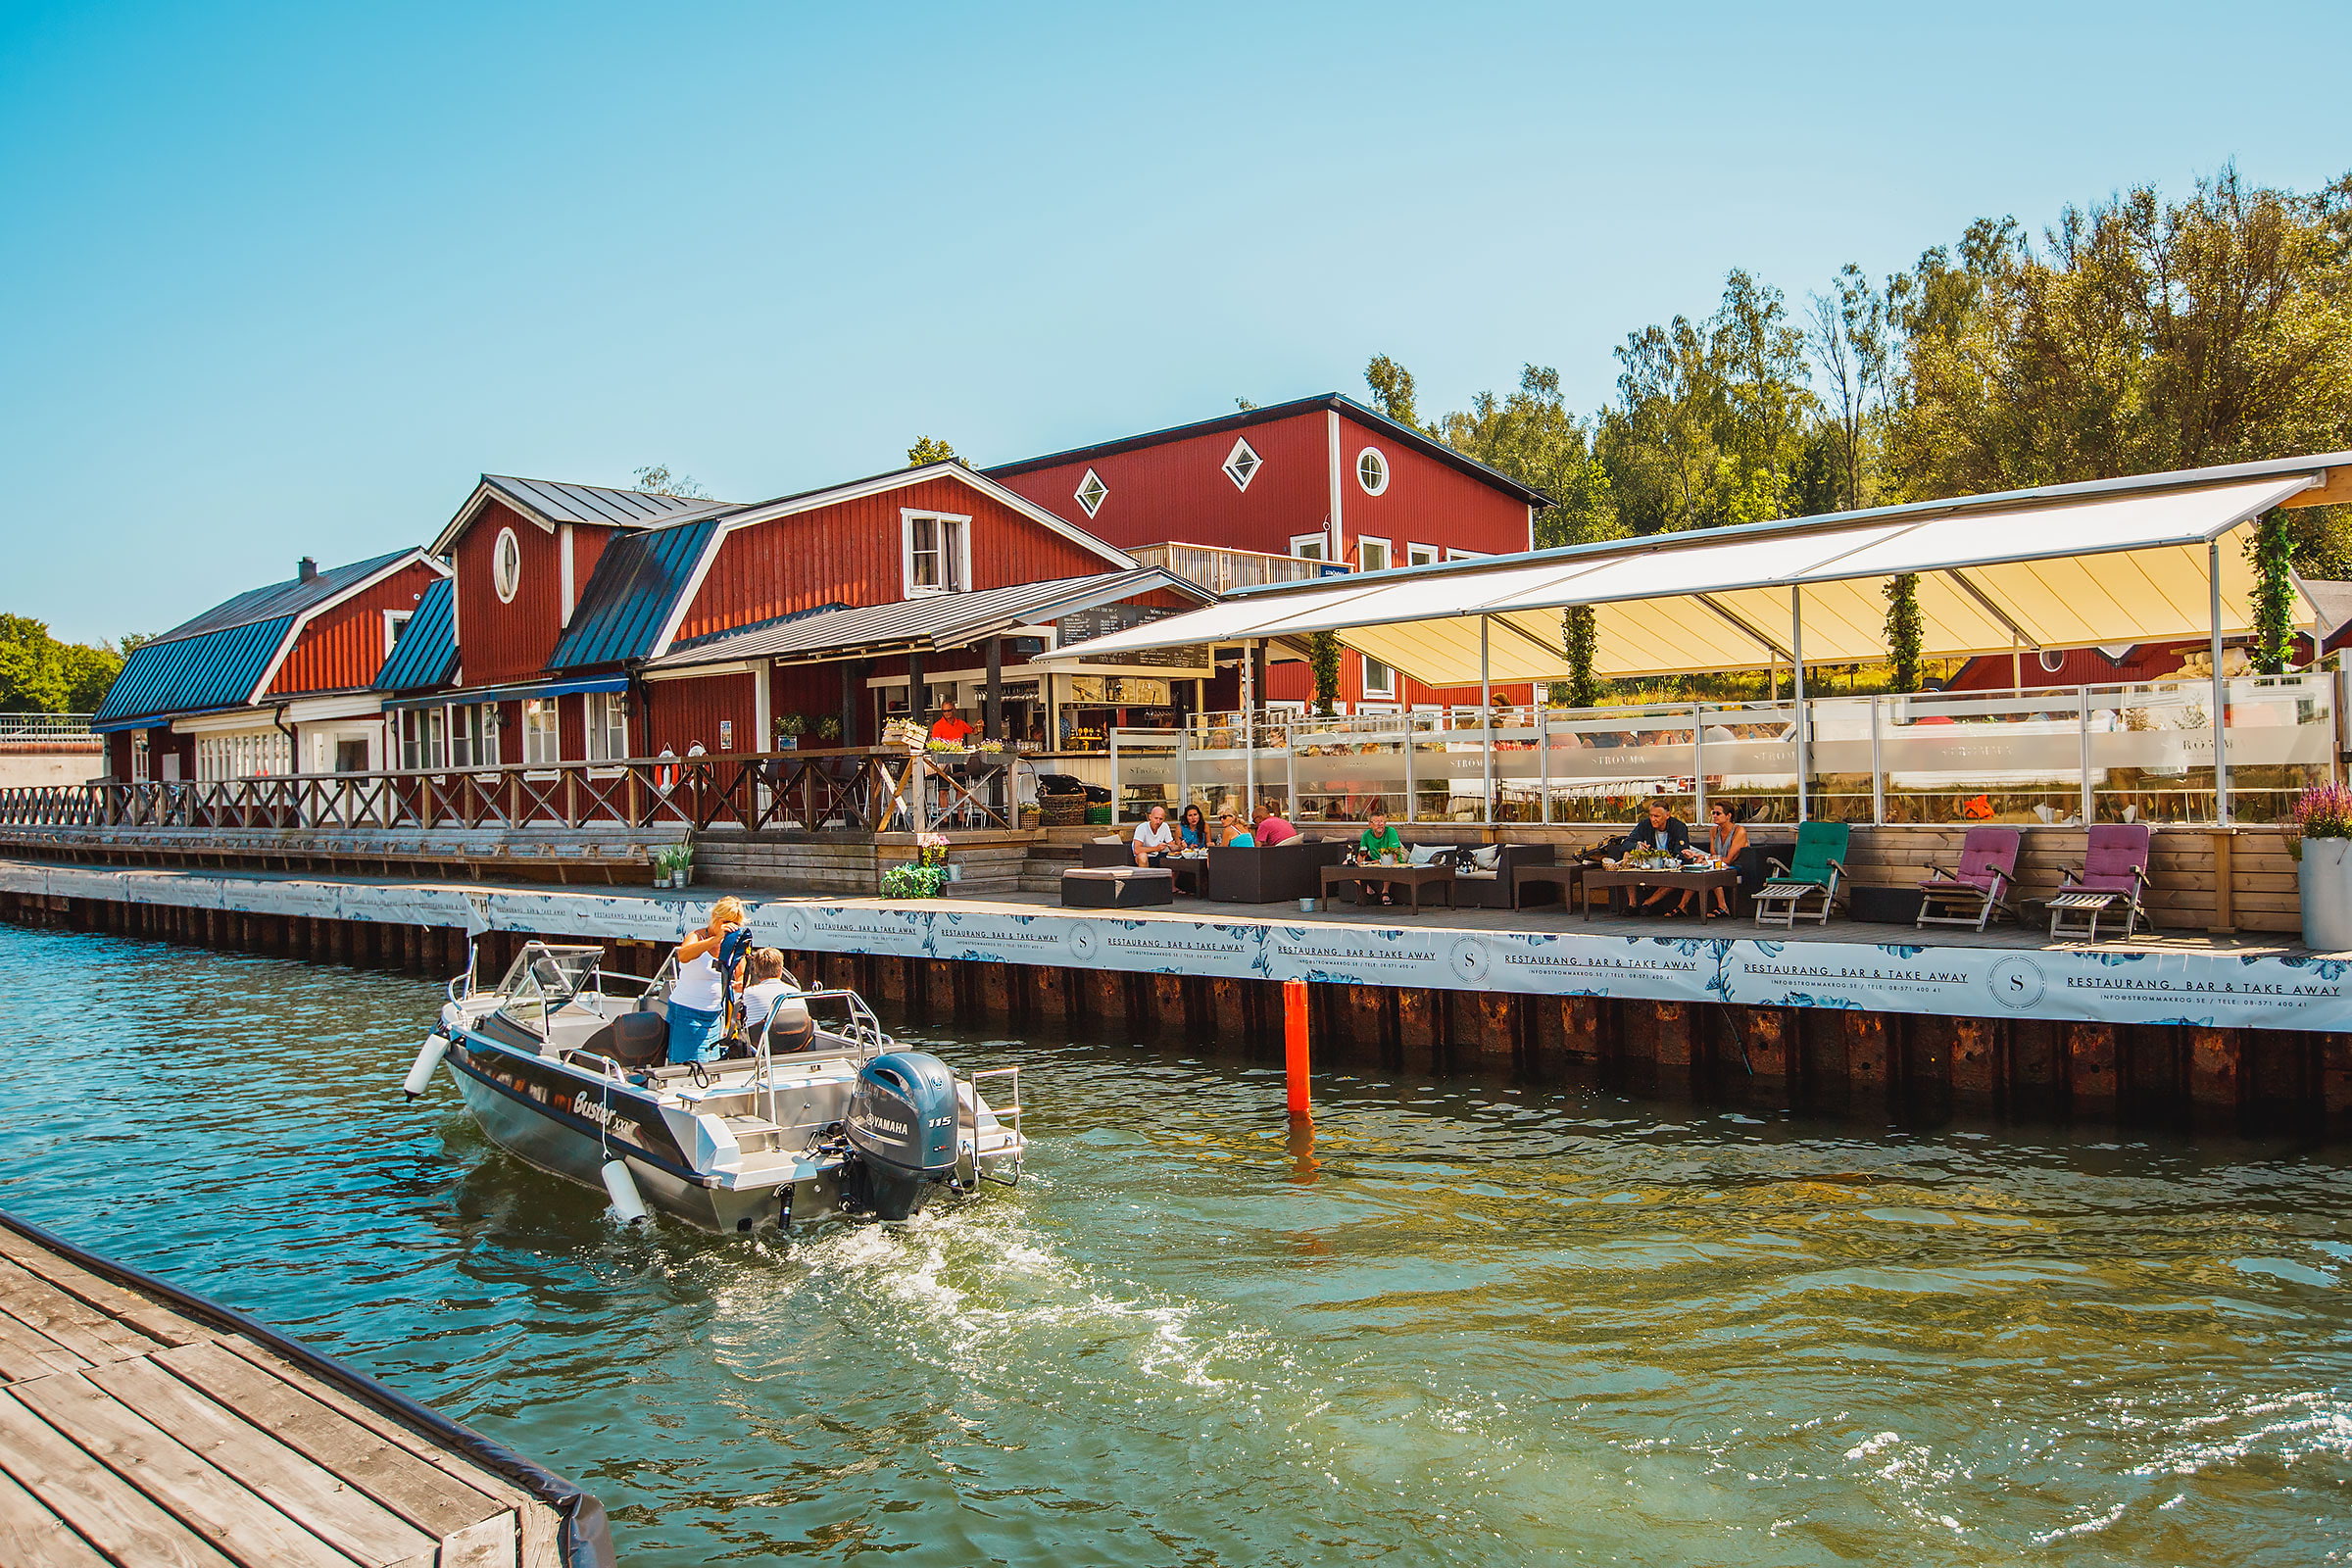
902 1124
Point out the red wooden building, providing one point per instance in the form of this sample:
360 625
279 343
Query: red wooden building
575 631
276 680
1324 478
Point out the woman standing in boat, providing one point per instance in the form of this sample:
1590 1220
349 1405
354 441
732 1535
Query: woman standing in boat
698 994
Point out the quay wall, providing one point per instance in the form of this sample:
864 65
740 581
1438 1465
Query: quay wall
2244 1042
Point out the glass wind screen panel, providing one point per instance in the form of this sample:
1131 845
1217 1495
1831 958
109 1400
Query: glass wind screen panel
1961 758
2282 742
1839 787
1602 766
1343 770
1148 771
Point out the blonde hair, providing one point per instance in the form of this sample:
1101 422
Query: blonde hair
767 964
726 909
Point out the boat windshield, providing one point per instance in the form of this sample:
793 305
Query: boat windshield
555 974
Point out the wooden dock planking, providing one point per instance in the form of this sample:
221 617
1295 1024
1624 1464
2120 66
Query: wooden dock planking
131 1433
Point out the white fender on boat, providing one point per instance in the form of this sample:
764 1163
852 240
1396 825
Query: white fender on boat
622 1187
428 1057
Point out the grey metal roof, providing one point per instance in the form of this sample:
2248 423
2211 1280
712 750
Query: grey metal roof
559 502
282 599
2332 601
630 595
941 620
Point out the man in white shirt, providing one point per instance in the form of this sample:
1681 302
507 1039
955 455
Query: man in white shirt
769 999
1154 837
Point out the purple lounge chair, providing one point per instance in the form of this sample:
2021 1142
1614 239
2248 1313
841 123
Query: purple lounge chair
1980 884
2115 872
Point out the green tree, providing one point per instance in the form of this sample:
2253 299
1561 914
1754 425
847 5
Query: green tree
1905 632
657 480
1847 337
1392 390
1323 658
927 450
40 674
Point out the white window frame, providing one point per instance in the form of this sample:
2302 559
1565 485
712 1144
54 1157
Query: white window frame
1311 546
956 524
542 744
1380 459
1468 555
608 728
508 547
1385 689
1101 493
1422 554
1369 541
394 620
1240 447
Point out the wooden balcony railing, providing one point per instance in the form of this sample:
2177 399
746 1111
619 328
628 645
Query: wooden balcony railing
845 789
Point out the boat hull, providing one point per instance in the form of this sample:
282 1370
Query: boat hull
538 1117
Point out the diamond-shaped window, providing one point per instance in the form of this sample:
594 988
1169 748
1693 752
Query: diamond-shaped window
1093 492
1241 464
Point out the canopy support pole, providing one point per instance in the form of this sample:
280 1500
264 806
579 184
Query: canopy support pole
1486 706
1796 671
1249 731
991 712
2221 690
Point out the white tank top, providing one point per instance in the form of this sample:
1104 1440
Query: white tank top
698 983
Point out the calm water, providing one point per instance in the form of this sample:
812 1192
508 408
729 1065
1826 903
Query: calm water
1492 1326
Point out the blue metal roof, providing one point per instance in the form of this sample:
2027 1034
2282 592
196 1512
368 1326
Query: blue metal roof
427 655
636 586
213 669
281 599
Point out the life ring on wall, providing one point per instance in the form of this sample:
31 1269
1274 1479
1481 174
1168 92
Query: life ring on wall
666 772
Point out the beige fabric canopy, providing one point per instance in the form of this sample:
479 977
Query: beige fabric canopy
2064 570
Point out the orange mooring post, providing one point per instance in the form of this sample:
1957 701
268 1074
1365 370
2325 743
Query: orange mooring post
1294 1045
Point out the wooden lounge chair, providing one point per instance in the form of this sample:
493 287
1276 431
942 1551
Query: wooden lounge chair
1813 871
1970 893
2115 874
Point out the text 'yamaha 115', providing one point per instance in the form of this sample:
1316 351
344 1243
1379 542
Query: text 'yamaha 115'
816 1113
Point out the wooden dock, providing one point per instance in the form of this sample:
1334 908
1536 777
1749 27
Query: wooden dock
141 1426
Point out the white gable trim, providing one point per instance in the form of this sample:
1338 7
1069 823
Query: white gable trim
880 484
294 632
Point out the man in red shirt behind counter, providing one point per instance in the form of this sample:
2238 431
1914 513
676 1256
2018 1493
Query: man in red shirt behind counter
950 726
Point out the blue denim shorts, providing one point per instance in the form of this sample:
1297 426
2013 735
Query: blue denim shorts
690 1034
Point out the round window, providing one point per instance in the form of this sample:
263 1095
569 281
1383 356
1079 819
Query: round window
505 566
1372 470
2052 661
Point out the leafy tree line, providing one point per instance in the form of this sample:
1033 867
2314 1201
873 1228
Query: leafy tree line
38 674
2135 335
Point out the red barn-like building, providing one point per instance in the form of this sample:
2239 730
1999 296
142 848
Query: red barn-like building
1324 478
276 680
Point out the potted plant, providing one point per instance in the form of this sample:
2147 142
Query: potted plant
790 727
2320 841
828 728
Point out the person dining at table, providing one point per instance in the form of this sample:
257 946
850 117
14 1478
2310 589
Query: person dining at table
1233 833
1727 841
1153 838
1661 832
1192 828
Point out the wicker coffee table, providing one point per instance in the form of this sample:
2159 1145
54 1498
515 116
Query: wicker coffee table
1415 877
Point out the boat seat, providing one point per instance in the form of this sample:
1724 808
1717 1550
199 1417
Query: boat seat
634 1039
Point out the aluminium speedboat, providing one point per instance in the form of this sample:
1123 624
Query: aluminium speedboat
560 1063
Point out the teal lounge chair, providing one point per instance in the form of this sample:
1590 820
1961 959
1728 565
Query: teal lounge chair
1812 871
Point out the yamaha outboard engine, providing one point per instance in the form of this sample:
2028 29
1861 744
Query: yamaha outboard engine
901 1123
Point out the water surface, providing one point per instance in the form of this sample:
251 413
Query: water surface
1483 1325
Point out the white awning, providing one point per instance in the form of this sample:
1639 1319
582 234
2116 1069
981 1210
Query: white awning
2053 572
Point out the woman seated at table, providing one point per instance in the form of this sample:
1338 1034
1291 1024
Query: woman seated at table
1192 828
1380 839
1727 841
1233 833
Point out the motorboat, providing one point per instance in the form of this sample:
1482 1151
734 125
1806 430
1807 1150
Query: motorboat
561 1064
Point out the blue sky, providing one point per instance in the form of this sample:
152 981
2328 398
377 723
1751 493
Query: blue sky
282 279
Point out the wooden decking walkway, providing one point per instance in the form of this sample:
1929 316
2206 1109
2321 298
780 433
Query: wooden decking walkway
136 1429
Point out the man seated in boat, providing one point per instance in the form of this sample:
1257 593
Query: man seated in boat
767 1000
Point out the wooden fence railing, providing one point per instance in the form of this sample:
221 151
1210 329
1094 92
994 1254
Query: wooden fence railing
847 789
